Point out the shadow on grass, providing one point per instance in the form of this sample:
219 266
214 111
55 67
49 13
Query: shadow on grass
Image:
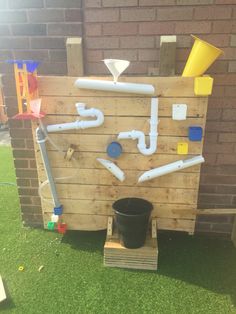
91 241
7 304
205 262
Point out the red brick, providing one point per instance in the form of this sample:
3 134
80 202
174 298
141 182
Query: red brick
101 15
29 143
229 54
15 124
209 158
218 40
93 3
212 13
215 199
227 137
102 42
124 54
192 27
19 163
225 1
13 17
94 55
96 68
230 91
182 54
120 29
65 29
18 143
219 91
26 173
156 28
63 3
23 182
213 126
20 133
28 209
34 182
194 2
174 14
120 3
38 54
155 2
226 159
57 55
233 41
55 68
225 79
140 67
21 153
25 4
137 42
14 43
229 115
138 14
218 67
47 43
213 114
210 138
184 41
232 66
33 164
73 15
28 29
148 54
93 29
45 15
25 200
4 30
224 27
219 148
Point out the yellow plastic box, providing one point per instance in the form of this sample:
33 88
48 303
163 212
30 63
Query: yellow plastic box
182 148
203 85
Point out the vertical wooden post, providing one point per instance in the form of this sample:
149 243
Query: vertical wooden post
233 235
167 56
75 66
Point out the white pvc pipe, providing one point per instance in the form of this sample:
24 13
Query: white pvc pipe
138 135
119 87
78 124
114 169
172 167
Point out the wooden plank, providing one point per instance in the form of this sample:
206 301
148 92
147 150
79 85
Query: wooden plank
74 49
217 211
104 192
167 55
109 226
113 125
154 228
233 236
99 142
87 160
176 224
164 86
104 177
104 208
81 222
2 291
124 106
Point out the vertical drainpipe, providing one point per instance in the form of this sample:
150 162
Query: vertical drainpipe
41 139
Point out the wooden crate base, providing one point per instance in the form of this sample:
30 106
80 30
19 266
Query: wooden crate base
116 255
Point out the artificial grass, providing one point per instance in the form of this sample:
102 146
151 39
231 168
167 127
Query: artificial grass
195 275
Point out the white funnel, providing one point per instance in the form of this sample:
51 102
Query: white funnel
116 67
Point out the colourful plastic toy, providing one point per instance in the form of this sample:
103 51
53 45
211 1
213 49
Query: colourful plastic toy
62 227
203 85
201 58
195 133
26 88
51 225
58 210
182 148
114 150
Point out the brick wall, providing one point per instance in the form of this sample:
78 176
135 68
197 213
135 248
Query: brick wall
130 29
33 29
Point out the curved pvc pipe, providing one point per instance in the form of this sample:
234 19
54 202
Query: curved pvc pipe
138 135
119 87
78 124
172 167
114 169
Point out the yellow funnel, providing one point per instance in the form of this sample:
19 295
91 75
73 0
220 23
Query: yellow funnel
201 57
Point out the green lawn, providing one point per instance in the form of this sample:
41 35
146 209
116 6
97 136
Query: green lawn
195 275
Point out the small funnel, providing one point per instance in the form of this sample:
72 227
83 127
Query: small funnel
116 67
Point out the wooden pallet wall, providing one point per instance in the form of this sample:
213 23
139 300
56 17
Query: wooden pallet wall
88 191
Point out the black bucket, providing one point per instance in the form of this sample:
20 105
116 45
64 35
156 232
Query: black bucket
132 218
